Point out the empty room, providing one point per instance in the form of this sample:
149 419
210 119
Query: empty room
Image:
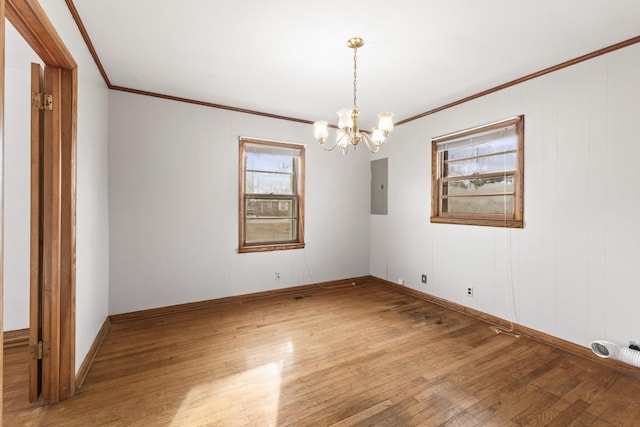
289 213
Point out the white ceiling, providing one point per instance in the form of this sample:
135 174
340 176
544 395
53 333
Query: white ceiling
289 57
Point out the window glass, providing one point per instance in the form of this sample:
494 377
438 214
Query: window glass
271 195
478 177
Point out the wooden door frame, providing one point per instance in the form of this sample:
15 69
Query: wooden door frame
59 231
2 14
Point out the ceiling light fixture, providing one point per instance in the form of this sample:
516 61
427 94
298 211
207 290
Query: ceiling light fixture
348 132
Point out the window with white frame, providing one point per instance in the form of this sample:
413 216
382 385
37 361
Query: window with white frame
271 184
478 175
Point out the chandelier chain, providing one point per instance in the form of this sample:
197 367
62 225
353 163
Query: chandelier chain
355 76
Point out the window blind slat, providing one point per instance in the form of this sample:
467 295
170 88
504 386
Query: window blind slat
477 138
272 151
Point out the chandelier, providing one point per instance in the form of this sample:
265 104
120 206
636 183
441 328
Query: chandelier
348 132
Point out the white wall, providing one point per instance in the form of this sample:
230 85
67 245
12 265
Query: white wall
92 222
17 189
173 198
572 269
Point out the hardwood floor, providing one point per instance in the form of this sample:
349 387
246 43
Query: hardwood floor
355 355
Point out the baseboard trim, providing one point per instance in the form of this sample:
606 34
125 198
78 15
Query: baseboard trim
15 338
556 342
91 355
201 305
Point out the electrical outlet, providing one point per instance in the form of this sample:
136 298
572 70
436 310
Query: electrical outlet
424 279
276 275
470 291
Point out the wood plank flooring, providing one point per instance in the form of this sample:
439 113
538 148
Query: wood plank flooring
343 356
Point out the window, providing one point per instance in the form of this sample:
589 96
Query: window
477 175
271 196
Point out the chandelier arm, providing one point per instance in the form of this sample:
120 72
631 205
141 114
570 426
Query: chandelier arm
335 144
367 140
327 148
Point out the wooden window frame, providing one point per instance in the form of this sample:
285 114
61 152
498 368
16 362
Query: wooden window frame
515 220
298 198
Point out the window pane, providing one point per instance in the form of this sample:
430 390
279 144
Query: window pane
270 230
491 164
269 162
270 208
498 145
269 183
480 205
469 187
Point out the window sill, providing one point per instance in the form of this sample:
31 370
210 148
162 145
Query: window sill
270 247
487 222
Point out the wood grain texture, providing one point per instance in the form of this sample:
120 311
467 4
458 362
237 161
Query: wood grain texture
523 330
30 20
36 221
18 337
346 355
2 50
92 353
68 184
51 238
208 304
58 184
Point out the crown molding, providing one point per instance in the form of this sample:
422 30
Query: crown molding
577 60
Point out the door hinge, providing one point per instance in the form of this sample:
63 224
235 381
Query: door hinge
42 101
39 351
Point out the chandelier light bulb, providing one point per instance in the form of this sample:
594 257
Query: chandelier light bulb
385 123
377 136
320 130
344 118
